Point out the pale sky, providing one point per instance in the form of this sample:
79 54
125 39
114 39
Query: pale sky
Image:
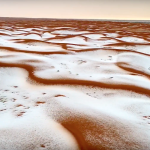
77 9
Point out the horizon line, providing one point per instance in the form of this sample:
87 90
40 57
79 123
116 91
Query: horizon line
139 20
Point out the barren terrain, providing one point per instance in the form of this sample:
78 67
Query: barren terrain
70 85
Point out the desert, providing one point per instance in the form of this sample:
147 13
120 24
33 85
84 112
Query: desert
74 84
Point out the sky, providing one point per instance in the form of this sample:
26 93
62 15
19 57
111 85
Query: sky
77 9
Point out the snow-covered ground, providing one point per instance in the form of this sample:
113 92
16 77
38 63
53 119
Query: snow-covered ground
79 92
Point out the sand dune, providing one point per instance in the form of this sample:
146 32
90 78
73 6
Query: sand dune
73 85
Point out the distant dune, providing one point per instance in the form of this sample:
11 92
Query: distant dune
74 84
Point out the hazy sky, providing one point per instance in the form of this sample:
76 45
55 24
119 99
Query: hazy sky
81 9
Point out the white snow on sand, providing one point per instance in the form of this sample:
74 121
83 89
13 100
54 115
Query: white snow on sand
135 61
68 32
133 39
47 35
81 41
31 112
94 36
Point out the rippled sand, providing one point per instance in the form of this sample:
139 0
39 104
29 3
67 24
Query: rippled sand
70 85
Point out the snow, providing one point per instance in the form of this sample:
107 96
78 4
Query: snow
133 39
80 41
137 48
47 35
136 61
94 36
34 46
68 32
32 112
114 35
